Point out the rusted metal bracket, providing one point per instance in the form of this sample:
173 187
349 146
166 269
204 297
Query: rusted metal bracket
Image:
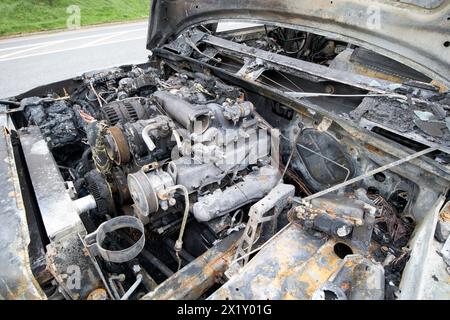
265 210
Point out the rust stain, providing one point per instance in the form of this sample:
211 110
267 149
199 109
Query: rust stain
445 212
373 149
318 270
442 88
377 74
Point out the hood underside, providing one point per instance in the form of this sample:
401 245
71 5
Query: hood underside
408 33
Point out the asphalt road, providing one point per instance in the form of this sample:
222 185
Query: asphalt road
32 61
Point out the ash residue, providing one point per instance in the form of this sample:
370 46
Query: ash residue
389 112
57 121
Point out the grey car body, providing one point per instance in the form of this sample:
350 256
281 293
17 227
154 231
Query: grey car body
411 42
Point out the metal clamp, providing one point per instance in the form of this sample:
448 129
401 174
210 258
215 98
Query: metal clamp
95 240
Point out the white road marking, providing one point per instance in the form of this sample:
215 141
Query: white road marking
66 40
98 41
71 32
70 49
24 50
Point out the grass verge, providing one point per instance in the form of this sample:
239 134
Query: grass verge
24 16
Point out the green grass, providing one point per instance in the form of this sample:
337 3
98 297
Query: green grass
22 16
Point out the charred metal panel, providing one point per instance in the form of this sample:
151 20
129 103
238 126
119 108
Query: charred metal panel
298 265
67 259
58 213
407 33
425 276
70 264
17 280
376 62
291 266
303 67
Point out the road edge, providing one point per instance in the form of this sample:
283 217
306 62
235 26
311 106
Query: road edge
86 27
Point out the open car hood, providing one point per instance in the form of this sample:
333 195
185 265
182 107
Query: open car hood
414 32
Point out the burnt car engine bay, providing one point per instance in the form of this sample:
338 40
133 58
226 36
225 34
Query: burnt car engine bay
267 163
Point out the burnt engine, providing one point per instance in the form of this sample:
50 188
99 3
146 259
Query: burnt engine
172 161
158 171
151 150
